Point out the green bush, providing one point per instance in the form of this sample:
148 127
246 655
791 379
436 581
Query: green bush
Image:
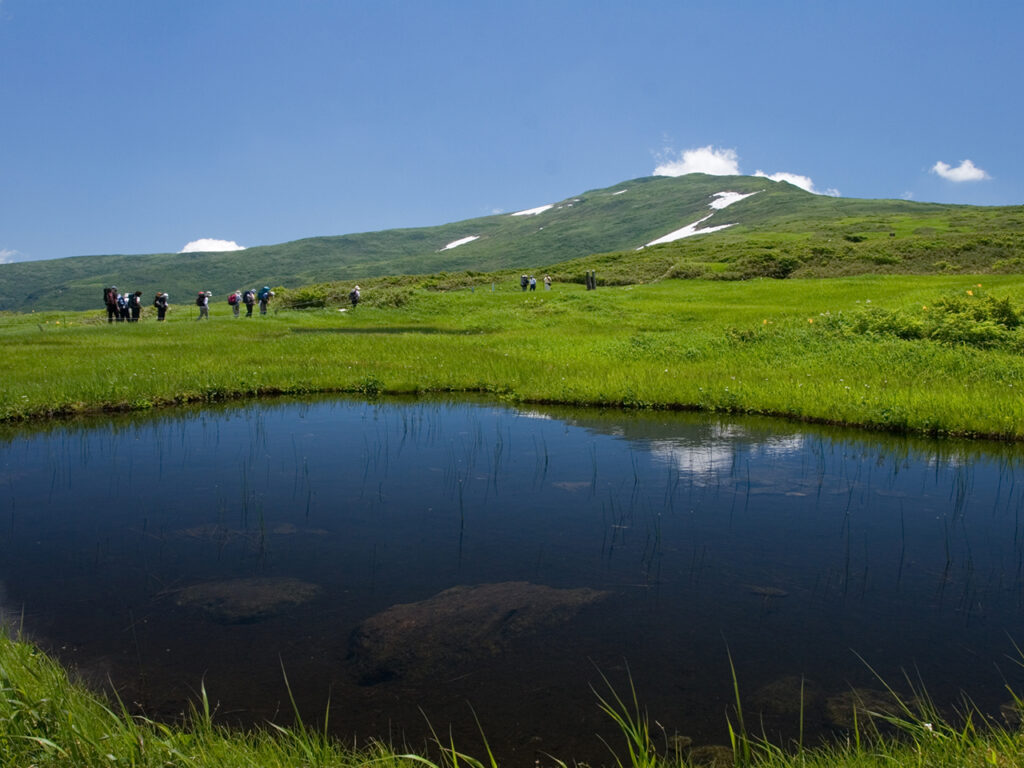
970 318
771 265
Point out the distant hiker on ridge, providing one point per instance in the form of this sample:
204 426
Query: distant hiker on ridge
249 298
354 296
135 305
160 302
264 297
203 302
110 300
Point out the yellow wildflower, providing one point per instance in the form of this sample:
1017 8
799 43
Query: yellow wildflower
970 292
810 319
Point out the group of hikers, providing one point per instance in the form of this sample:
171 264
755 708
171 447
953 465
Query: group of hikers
122 307
127 307
236 300
531 282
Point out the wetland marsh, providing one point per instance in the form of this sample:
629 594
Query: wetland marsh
526 551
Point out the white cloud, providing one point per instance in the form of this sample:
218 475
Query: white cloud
966 171
716 162
726 162
206 244
804 182
8 256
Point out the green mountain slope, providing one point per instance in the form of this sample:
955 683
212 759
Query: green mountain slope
780 219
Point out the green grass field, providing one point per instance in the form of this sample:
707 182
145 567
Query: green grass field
923 354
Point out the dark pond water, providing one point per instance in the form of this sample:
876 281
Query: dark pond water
218 547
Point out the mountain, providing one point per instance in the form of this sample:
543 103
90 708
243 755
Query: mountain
717 216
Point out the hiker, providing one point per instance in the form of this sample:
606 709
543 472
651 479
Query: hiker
110 300
524 282
354 296
160 302
264 296
547 282
235 300
203 302
122 307
533 283
135 305
249 298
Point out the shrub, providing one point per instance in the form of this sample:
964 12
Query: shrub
967 318
778 266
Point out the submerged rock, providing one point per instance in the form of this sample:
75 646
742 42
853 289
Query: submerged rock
241 601
787 697
458 625
860 705
712 756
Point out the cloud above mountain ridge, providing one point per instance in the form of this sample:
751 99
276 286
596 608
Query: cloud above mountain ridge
726 162
966 171
209 244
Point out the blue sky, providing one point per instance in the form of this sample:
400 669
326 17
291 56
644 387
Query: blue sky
139 126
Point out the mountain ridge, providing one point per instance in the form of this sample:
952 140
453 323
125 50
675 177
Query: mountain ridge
621 218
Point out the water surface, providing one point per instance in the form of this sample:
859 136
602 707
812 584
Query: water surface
796 550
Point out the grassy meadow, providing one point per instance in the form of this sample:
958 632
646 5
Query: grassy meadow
928 354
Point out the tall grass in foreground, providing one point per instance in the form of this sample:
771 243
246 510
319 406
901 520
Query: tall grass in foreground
46 721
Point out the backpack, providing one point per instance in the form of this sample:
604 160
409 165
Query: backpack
233 299
201 300
250 297
108 296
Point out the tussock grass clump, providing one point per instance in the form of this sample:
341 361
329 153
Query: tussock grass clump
47 720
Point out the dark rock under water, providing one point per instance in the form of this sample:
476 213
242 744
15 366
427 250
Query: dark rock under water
457 626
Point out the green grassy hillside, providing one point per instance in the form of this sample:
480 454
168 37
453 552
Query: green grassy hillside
782 230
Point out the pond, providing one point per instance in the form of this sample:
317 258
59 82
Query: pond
418 564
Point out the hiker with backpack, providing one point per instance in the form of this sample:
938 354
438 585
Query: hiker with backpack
264 297
235 300
203 302
160 302
135 305
354 296
249 299
110 301
122 307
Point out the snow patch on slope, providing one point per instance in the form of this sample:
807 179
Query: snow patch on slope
463 241
688 231
721 200
533 211
725 199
